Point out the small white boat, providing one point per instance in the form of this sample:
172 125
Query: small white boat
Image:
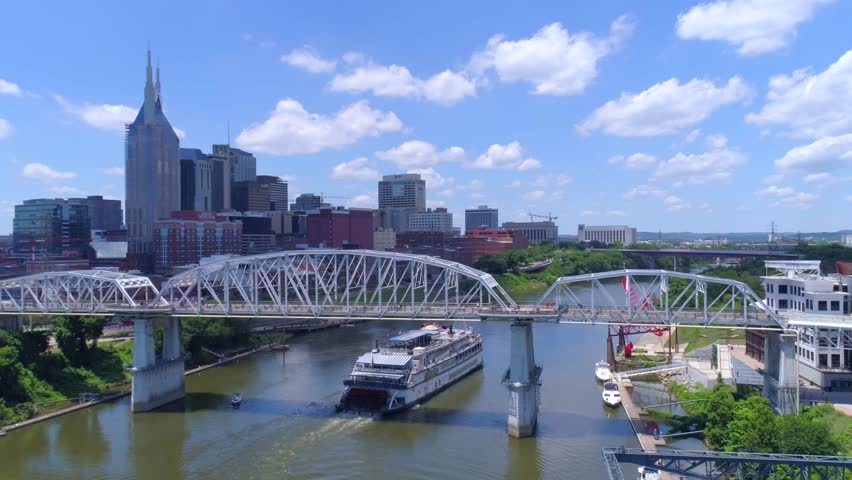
611 396
236 400
648 473
602 372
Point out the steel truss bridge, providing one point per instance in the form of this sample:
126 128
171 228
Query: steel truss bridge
708 465
385 285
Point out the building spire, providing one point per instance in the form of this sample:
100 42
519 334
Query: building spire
150 95
159 95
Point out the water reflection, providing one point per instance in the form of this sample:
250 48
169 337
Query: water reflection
82 440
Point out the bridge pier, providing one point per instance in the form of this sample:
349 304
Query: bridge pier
156 382
780 380
522 380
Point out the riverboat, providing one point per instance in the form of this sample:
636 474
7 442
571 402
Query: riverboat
611 396
410 368
602 372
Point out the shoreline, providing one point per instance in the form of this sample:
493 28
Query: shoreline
115 396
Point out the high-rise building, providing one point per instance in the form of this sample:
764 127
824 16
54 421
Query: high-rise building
481 216
399 196
196 188
220 182
536 232
152 171
307 202
437 219
104 214
49 228
186 237
340 228
277 191
608 234
242 166
250 195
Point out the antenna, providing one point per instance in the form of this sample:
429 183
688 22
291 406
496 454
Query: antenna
229 132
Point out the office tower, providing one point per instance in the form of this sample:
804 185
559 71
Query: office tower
307 202
249 195
50 228
242 166
399 196
152 166
340 228
437 219
481 216
104 214
277 191
196 188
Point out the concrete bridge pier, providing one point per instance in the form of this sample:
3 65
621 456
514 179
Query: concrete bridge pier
780 380
156 381
522 380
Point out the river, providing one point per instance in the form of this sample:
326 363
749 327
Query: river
287 427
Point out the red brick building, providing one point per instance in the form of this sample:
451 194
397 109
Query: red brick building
467 249
340 228
188 236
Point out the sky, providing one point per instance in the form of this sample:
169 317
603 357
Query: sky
674 116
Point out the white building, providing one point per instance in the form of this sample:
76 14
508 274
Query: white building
608 234
820 306
537 232
431 220
384 239
846 240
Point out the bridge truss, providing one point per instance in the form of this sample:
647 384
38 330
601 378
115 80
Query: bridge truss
657 297
346 283
81 291
709 465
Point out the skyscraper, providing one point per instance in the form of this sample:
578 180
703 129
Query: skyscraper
152 166
196 189
105 214
399 196
51 228
277 191
482 216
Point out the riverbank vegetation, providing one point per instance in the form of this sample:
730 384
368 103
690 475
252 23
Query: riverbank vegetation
740 420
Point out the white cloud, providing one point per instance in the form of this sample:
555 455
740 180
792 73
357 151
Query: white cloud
101 116
535 195
180 133
753 26
716 141
445 88
643 191
9 88
774 178
552 180
675 204
602 213
354 58
363 201
553 60
435 203
432 177
510 156
291 130
636 161
307 59
115 171
40 171
6 129
825 178
664 108
810 105
447 192
474 184
692 136
420 154
357 169
701 169
824 154
787 197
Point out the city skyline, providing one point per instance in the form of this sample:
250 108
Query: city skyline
612 123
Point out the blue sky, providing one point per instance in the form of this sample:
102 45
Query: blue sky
715 116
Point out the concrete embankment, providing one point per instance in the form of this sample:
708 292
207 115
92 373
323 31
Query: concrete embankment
116 396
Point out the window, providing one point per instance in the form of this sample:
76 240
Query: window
835 305
782 289
835 360
770 288
782 303
823 360
822 305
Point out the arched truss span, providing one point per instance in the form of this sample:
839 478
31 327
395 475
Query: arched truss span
348 283
81 291
658 297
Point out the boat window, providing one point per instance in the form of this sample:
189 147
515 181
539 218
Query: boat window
610 386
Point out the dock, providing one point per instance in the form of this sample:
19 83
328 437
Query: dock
634 416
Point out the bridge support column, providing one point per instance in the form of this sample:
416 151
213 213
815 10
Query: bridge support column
780 380
14 323
156 382
522 380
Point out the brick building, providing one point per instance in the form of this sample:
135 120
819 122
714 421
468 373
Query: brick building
188 236
340 228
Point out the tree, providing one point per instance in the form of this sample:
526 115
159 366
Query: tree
73 335
10 372
719 411
33 344
806 434
754 428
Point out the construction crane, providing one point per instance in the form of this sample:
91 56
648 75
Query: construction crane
548 216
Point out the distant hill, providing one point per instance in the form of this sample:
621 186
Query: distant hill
743 236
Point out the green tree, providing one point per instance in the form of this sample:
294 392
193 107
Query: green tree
75 334
33 345
754 428
10 373
719 412
806 434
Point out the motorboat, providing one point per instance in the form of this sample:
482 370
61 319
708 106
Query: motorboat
611 396
410 368
602 372
648 473
236 400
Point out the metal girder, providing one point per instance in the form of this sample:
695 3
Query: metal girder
350 283
647 297
79 291
709 465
